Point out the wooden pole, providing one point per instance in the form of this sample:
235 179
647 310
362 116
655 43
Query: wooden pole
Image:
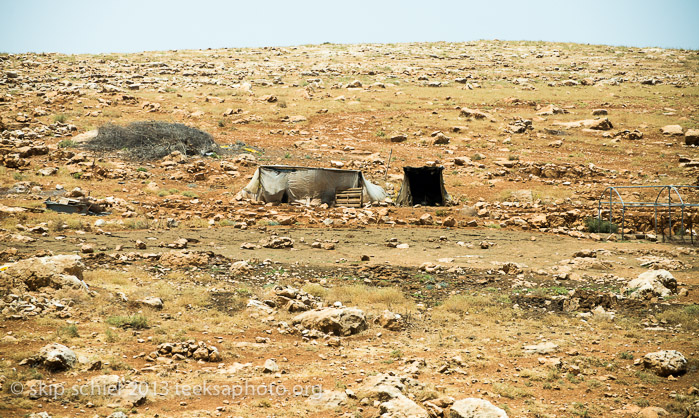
385 176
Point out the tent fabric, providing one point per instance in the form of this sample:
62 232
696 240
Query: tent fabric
307 185
422 186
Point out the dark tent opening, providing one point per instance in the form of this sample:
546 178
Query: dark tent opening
422 186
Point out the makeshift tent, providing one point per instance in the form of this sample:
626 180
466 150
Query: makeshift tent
422 186
308 185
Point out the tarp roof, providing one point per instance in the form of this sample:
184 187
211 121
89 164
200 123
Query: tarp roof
307 185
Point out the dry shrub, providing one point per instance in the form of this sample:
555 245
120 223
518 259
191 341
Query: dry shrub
315 289
152 140
361 295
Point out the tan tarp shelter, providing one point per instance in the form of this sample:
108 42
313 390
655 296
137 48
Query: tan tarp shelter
307 185
422 186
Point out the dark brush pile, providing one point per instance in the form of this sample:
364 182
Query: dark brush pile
152 140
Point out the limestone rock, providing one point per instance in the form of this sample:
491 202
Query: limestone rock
337 321
475 408
184 258
270 366
152 302
402 407
541 348
54 357
665 362
389 320
671 130
52 271
691 137
652 283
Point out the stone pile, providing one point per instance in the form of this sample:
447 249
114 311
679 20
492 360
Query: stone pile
197 350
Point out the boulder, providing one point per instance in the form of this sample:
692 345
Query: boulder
691 137
475 408
270 366
402 407
54 357
184 258
601 124
653 283
389 320
53 271
665 362
277 242
471 113
337 321
328 399
672 130
152 302
541 348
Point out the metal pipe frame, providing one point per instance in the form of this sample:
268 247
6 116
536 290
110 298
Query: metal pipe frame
655 204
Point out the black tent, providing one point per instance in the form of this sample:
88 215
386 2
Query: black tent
422 186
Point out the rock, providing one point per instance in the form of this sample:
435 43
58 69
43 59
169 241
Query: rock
672 130
426 219
599 112
328 399
55 357
152 302
118 414
140 245
551 110
133 394
184 258
277 242
39 415
691 137
47 171
541 348
337 321
475 408
449 222
108 383
665 362
652 412
441 139
270 366
399 138
52 271
471 113
356 84
693 410
601 124
390 320
402 407
87 249
652 283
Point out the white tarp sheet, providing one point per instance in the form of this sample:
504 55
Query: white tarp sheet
307 185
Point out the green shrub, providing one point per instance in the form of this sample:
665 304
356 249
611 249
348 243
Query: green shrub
137 321
597 225
60 118
66 143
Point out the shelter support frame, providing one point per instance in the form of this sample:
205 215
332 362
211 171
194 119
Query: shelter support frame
610 193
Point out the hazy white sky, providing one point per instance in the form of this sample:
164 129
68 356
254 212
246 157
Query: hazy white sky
94 26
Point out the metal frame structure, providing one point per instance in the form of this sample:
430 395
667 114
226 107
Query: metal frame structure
611 191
